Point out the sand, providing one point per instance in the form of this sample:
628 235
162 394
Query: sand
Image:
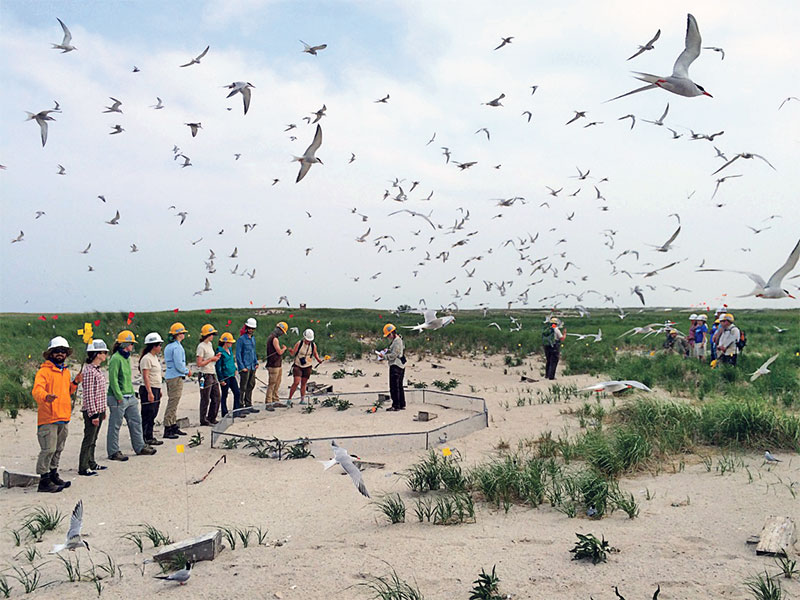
336 538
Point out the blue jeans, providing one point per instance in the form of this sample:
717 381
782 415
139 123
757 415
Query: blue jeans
232 385
129 410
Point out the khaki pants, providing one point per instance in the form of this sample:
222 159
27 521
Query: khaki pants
274 383
174 393
52 438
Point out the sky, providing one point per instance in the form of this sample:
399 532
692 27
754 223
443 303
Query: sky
438 64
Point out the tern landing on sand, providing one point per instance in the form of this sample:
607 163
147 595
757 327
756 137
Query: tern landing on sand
772 288
65 45
341 457
74 540
242 87
181 576
432 322
309 157
763 369
616 386
679 82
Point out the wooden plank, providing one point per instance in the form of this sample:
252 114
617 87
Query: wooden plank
777 536
15 479
205 547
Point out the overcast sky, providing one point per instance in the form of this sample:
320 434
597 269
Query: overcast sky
437 63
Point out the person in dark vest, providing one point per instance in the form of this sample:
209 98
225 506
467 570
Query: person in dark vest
275 352
552 336
395 355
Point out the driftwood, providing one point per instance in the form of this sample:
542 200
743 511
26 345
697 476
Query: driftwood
777 536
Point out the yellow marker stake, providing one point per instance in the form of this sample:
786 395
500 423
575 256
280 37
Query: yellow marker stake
446 451
179 448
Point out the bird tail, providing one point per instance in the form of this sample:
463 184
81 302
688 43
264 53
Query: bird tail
57 548
327 464
646 77
161 576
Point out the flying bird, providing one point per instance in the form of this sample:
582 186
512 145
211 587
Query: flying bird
194 127
763 369
313 49
679 82
196 61
309 157
41 118
647 46
65 45
578 115
496 101
432 322
504 41
787 100
667 246
74 540
715 49
114 107
383 100
243 88
746 155
660 120
183 215
86 250
61 170
19 238
115 220
771 288
614 387
159 105
341 457
117 129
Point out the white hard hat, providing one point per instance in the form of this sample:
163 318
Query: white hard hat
251 323
58 342
152 338
693 317
97 346
703 317
720 310
308 334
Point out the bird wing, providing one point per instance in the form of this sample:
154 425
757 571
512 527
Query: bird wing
672 239
76 521
754 276
770 360
664 116
655 37
43 127
317 141
691 51
67 34
764 159
246 98
304 167
791 262
355 475
726 164
636 384
429 315
203 53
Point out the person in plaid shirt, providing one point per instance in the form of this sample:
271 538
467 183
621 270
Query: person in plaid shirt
94 405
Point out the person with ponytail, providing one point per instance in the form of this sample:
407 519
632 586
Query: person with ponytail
94 387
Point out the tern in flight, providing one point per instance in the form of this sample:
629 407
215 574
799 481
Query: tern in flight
648 45
41 118
65 45
309 157
771 288
313 49
196 61
74 540
679 82
763 369
242 87
341 457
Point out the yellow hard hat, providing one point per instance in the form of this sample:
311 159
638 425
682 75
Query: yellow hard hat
727 317
226 337
126 337
177 328
283 326
207 329
388 328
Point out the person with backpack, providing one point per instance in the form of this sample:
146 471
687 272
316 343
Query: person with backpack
712 336
728 339
275 352
304 352
552 337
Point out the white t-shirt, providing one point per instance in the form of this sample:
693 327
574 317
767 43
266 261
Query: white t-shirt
205 351
153 365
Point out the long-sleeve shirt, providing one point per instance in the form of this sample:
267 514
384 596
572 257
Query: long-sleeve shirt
395 351
93 387
175 359
246 352
119 377
225 366
52 380
727 339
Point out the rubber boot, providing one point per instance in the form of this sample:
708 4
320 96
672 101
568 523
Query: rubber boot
170 433
45 485
58 481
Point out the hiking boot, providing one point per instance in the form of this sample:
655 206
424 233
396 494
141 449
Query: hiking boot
45 485
269 408
118 456
252 410
179 432
153 442
147 451
57 480
170 433
213 421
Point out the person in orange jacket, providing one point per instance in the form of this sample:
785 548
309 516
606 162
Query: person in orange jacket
52 390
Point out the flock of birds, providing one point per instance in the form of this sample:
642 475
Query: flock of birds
438 242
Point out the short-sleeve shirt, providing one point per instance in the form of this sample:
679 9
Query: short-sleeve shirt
206 351
153 365
698 333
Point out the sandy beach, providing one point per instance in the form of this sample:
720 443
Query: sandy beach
689 538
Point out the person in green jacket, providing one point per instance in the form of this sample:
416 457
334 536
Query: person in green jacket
226 373
121 400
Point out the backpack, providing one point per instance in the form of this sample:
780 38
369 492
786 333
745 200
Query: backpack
742 341
549 335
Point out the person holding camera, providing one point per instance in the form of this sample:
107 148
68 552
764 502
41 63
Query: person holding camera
209 387
395 355
304 352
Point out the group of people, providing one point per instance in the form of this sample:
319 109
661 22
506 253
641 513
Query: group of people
112 394
723 341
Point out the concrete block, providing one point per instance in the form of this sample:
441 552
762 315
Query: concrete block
205 547
14 479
